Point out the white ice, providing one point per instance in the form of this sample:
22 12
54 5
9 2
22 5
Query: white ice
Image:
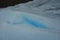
36 20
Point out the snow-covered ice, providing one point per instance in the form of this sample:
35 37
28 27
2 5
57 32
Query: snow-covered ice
35 20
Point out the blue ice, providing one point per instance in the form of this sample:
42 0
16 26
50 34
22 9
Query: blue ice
34 22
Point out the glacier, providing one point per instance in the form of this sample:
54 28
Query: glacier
34 20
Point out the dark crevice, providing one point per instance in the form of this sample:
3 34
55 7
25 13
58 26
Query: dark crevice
6 3
51 9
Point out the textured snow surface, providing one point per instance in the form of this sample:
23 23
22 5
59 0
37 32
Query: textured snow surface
36 20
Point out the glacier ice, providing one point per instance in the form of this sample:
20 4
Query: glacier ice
20 22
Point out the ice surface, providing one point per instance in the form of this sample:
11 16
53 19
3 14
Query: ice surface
23 22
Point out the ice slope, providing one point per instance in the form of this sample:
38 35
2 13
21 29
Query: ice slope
23 22
16 25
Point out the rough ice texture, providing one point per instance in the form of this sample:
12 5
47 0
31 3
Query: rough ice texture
23 22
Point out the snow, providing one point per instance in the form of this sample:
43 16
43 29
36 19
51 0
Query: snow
30 21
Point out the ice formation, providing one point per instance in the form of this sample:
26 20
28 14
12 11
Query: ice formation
35 20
